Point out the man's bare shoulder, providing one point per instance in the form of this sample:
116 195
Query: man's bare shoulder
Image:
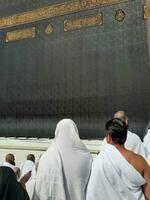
136 160
140 164
134 155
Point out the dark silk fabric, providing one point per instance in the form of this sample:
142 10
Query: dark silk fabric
10 188
86 74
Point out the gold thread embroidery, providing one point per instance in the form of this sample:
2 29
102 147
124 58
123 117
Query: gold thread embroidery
83 22
20 34
53 11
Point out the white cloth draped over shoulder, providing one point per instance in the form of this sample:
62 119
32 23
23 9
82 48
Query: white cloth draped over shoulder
148 159
64 169
26 167
133 143
146 142
6 164
30 185
113 178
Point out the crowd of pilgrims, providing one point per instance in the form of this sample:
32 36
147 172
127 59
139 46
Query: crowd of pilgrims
67 171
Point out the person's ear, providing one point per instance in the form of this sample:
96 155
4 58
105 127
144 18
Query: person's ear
127 121
109 139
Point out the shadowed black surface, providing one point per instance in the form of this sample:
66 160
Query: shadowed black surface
85 74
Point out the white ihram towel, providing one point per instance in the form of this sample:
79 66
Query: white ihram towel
146 142
26 167
113 178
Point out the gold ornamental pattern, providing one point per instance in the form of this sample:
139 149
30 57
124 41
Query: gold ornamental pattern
49 29
120 15
53 11
147 11
20 34
83 22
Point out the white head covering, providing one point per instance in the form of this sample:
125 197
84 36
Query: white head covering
114 178
64 169
76 159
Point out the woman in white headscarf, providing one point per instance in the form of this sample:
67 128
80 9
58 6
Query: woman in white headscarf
64 169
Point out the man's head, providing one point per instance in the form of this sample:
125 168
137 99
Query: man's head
10 159
31 157
123 116
116 131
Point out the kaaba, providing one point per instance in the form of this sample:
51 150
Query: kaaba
80 59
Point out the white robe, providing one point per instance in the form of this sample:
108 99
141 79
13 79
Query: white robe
47 183
146 143
6 164
133 143
30 185
26 167
113 178
64 169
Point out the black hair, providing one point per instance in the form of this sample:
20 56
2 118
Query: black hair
31 157
118 130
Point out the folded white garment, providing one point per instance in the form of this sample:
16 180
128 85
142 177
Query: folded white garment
146 142
113 178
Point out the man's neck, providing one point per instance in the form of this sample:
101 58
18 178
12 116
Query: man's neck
119 147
